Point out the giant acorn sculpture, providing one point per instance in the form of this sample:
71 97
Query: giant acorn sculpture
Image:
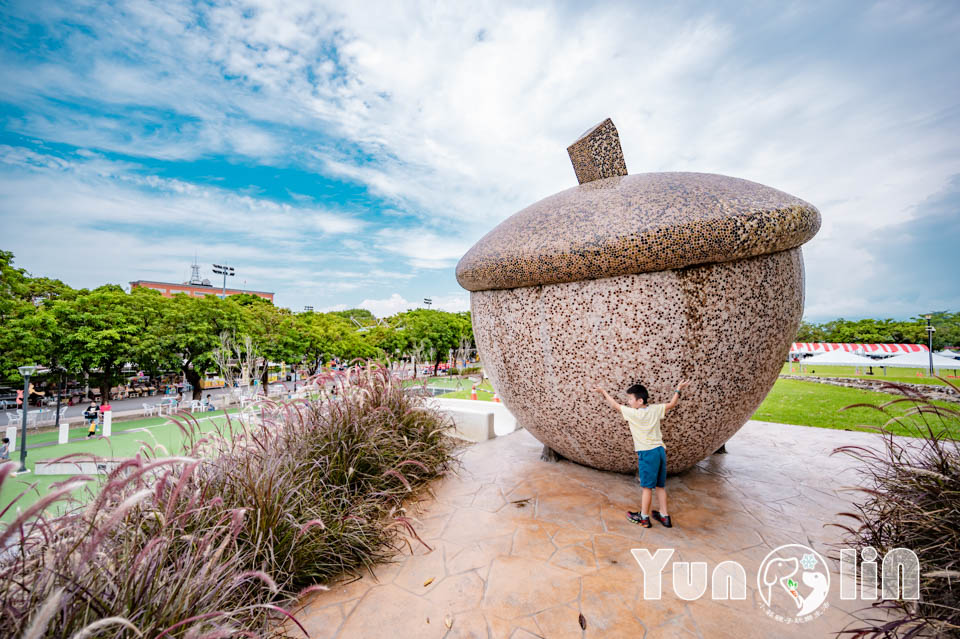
638 278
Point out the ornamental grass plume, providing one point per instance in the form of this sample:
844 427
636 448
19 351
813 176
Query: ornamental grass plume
221 542
911 499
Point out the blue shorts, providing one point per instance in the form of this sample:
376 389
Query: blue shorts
652 467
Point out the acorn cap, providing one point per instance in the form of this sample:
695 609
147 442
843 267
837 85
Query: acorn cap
628 224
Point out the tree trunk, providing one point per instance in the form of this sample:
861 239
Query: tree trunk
105 385
59 393
436 364
265 380
194 378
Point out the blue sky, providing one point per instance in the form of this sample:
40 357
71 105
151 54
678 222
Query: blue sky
349 155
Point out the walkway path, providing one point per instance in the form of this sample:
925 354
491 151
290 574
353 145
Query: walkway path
521 548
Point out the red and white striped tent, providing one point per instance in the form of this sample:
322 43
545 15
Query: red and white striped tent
799 348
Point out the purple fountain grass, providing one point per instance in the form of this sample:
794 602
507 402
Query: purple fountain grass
222 540
911 499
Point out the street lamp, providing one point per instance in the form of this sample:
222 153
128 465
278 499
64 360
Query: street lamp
930 330
220 269
26 371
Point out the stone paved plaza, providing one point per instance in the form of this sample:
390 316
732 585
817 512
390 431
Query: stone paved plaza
522 547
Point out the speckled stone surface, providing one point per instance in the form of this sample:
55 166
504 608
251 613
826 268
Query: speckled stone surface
597 154
727 327
637 224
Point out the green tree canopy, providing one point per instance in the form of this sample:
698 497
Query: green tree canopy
321 333
99 330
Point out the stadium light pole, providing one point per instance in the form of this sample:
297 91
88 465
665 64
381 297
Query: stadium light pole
221 269
930 330
26 372
427 301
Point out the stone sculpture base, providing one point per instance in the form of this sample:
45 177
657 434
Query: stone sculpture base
726 327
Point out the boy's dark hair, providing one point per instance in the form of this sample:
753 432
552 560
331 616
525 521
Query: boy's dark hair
6 440
640 392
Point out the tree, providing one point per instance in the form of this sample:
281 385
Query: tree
437 332
361 315
151 352
385 340
99 330
321 332
29 333
190 329
275 334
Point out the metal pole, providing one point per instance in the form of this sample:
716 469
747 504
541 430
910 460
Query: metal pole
224 292
23 424
930 344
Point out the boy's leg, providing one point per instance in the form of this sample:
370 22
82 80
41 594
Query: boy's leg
646 500
662 481
662 500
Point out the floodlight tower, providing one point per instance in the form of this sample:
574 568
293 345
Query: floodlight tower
220 269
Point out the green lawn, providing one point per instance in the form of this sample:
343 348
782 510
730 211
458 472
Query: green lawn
812 404
893 374
484 392
81 431
442 382
126 441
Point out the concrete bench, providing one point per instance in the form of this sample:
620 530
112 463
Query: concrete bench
476 420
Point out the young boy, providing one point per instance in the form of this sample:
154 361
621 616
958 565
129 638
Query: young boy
91 415
644 422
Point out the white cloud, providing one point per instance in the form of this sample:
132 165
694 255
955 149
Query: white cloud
461 117
396 303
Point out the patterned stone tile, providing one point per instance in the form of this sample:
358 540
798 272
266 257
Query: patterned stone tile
500 574
518 586
560 622
458 594
469 625
471 524
419 569
606 611
577 557
391 607
533 539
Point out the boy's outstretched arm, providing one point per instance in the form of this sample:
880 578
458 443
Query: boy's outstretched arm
675 398
613 403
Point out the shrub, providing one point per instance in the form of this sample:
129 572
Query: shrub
470 370
219 542
912 500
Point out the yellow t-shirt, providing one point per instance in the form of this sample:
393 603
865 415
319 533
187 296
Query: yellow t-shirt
644 425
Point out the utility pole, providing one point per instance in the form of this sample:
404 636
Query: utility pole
930 330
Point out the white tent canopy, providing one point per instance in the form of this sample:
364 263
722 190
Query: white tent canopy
838 358
918 360
947 354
